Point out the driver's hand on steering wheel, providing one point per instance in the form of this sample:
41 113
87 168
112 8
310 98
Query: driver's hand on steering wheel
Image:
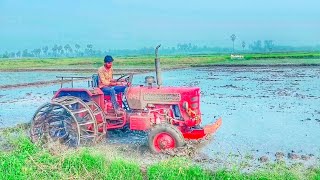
121 80
122 83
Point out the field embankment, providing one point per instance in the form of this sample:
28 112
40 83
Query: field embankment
147 62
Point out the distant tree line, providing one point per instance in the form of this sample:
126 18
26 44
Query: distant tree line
259 46
88 50
56 51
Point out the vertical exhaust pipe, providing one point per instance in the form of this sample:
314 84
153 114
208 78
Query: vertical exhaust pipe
158 68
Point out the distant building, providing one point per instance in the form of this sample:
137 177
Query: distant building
236 56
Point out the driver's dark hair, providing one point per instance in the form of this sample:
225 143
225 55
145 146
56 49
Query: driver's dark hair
108 58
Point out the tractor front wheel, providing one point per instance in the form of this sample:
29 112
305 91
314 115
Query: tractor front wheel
165 136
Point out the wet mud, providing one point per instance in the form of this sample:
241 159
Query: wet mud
269 114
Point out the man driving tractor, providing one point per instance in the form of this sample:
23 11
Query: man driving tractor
108 85
77 116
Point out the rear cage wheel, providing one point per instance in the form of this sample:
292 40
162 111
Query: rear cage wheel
70 121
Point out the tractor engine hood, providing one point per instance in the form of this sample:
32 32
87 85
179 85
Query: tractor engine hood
140 97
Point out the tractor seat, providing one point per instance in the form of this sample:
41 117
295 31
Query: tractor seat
95 83
95 80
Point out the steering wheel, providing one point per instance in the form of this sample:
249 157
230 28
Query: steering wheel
123 76
126 77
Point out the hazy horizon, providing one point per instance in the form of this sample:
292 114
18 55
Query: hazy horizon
118 24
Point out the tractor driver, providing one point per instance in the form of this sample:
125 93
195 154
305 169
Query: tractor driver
108 85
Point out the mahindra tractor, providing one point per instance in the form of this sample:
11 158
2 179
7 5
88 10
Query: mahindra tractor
80 116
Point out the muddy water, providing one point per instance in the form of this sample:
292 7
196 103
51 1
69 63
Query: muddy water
9 78
264 110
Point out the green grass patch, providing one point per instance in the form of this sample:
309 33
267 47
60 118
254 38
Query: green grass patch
13 165
184 169
288 55
121 169
314 174
177 169
272 62
166 61
28 161
83 162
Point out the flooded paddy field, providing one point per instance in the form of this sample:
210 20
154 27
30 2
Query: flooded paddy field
12 78
265 110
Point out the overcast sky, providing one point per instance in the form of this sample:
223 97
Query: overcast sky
138 23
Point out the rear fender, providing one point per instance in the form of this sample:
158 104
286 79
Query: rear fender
83 94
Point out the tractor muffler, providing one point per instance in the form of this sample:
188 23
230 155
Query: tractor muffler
158 68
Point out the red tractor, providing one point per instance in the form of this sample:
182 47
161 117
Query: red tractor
77 116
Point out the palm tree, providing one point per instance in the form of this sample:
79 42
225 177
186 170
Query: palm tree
89 49
25 53
38 52
45 50
18 54
243 45
54 50
268 45
77 46
60 50
67 49
5 55
233 38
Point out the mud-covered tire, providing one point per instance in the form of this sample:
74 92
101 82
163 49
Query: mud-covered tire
165 136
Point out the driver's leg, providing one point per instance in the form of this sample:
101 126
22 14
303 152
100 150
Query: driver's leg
106 90
110 91
118 89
